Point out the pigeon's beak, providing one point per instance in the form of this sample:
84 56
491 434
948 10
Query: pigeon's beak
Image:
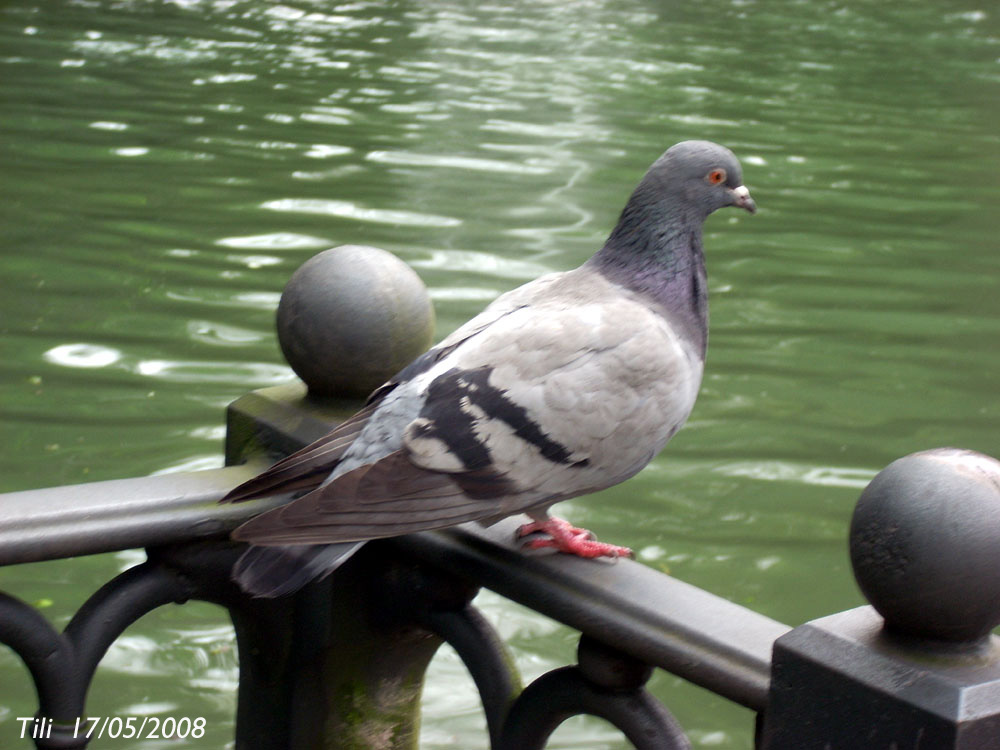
741 198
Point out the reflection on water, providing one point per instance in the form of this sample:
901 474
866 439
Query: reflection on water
776 471
275 241
349 210
167 165
253 374
82 355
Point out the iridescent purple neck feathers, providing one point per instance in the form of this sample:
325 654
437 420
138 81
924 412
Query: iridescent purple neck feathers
668 269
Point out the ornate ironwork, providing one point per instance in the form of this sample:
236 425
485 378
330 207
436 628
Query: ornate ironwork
62 665
274 635
605 683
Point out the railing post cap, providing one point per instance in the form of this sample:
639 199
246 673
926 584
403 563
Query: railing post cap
351 317
925 545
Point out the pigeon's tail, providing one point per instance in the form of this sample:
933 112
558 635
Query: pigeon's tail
276 571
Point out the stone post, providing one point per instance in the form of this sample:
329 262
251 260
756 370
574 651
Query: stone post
919 669
353 656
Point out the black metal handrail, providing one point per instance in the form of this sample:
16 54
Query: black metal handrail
87 519
654 618
665 622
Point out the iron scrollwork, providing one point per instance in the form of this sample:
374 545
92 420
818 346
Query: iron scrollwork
605 683
280 642
62 665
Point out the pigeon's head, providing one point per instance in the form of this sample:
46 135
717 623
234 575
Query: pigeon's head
702 176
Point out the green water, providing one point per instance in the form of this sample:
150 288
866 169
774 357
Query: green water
164 167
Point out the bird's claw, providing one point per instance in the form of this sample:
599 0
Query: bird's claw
564 537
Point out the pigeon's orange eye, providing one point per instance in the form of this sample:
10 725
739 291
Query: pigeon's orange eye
716 176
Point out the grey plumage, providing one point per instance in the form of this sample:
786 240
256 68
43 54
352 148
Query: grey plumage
564 386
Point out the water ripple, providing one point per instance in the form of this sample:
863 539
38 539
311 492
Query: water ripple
275 241
82 355
782 471
252 374
350 210
220 334
480 262
408 158
257 300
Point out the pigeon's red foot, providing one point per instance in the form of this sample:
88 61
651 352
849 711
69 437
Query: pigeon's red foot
564 537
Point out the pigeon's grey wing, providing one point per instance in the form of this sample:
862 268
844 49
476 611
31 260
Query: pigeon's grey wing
305 468
387 498
312 465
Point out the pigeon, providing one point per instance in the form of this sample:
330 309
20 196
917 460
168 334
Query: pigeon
564 386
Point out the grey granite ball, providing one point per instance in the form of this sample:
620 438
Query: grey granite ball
925 545
351 317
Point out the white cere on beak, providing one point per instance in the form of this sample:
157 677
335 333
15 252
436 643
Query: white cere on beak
743 199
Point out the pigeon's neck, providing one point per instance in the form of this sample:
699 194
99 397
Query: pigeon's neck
665 265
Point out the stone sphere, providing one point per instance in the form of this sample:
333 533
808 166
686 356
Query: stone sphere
925 545
351 317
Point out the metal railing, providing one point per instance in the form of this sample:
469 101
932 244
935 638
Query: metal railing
846 681
340 665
